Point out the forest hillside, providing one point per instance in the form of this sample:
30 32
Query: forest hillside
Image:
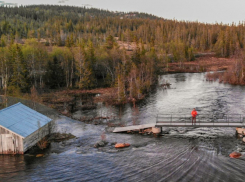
55 47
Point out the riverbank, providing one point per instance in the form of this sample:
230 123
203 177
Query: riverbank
204 63
69 100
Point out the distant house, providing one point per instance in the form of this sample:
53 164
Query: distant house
21 128
129 15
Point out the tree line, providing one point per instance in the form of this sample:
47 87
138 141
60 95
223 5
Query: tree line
52 46
83 66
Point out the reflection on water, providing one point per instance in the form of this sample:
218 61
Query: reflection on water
185 154
11 165
187 91
180 77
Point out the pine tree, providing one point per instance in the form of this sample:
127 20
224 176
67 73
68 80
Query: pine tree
54 77
20 77
110 42
120 84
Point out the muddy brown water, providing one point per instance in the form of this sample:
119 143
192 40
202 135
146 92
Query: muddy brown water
185 154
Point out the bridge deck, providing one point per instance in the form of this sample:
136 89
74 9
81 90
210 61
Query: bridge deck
134 127
213 124
231 120
176 124
178 120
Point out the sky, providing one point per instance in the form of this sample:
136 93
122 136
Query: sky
211 11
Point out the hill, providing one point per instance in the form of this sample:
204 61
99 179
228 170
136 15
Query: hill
54 47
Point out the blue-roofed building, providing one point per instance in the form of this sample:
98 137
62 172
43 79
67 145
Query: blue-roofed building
21 128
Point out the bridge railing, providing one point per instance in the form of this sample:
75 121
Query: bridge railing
201 118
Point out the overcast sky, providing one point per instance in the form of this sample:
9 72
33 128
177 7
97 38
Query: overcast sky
211 11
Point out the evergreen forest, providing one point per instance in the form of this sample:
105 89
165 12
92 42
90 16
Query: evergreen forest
60 47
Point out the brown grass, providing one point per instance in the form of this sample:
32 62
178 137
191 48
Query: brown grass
78 91
43 143
234 74
202 64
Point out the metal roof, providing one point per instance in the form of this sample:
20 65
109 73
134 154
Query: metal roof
22 120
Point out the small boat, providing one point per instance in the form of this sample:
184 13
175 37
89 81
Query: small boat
122 145
235 155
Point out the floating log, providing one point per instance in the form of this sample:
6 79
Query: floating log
39 155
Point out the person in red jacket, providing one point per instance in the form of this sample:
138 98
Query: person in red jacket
194 115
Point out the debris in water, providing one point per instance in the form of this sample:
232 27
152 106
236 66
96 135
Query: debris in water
39 155
240 130
122 145
235 155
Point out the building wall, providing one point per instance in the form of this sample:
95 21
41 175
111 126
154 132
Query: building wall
36 136
10 143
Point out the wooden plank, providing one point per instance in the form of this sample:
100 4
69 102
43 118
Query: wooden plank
1 147
21 146
4 144
4 147
134 127
18 144
8 146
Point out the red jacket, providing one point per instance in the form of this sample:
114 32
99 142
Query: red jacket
194 113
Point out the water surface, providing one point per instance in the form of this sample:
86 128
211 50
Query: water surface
185 154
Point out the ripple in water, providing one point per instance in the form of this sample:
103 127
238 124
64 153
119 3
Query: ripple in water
186 154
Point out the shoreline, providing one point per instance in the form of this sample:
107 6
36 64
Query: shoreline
201 64
64 100
204 63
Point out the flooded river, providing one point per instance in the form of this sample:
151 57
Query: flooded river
184 154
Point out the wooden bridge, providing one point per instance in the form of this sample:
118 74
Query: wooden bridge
168 120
